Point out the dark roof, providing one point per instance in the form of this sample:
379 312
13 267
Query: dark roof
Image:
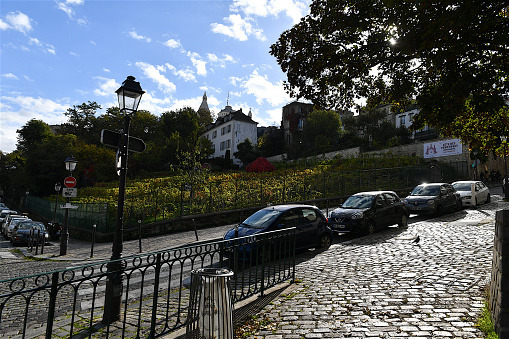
234 115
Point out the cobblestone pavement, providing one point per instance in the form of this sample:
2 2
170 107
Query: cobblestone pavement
388 286
384 285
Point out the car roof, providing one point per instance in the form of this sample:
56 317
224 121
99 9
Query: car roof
287 207
434 184
466 182
374 192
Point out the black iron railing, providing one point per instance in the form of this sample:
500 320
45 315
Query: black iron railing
155 296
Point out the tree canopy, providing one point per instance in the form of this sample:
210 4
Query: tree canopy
450 57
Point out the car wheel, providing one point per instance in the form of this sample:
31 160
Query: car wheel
438 211
325 241
403 220
370 227
488 198
459 205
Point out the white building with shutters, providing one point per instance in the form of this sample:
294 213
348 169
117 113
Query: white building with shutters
230 129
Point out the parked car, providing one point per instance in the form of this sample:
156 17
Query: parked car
311 225
13 221
367 212
433 198
481 192
7 219
4 213
21 232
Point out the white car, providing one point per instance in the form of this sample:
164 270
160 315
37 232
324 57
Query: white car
472 192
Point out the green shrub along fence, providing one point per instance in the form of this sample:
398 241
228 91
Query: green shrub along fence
160 200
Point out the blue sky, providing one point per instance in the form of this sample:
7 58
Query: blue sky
56 54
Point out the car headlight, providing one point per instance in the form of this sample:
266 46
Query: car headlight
357 215
431 202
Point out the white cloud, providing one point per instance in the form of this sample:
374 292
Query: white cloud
74 54
153 72
264 90
198 62
106 70
66 7
136 36
171 43
238 28
10 76
107 87
293 9
27 108
18 21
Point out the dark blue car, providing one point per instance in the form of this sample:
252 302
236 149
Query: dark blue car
367 212
311 227
21 233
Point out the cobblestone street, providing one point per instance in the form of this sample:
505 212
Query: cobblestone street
388 286
385 285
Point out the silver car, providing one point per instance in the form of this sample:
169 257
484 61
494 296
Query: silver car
472 192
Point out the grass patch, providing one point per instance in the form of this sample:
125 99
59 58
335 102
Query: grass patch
253 325
485 324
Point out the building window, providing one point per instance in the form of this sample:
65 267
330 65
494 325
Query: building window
222 131
228 128
214 134
221 146
402 120
227 143
301 124
411 117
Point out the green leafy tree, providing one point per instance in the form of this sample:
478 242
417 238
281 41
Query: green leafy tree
271 142
321 131
449 57
82 122
32 134
246 152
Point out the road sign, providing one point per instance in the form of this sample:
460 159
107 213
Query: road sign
70 182
113 139
68 205
69 192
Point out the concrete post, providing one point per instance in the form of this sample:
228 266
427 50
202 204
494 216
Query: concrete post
499 287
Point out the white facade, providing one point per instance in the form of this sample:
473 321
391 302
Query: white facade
230 130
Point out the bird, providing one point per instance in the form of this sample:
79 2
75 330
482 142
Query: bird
417 239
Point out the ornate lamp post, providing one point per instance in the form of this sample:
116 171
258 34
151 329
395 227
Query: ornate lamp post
58 187
129 96
505 182
70 165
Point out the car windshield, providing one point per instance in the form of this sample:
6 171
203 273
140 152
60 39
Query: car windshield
462 186
31 225
261 219
358 201
426 191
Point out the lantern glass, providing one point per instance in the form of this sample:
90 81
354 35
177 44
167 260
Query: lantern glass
129 94
70 163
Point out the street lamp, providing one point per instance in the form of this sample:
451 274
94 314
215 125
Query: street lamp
505 182
27 192
129 96
476 164
58 186
70 165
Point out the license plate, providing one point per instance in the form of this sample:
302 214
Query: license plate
339 226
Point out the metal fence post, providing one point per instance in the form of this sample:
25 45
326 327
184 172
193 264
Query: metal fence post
93 241
52 304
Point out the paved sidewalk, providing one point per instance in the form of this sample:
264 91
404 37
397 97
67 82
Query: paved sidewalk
388 286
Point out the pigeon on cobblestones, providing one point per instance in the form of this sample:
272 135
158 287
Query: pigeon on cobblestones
417 239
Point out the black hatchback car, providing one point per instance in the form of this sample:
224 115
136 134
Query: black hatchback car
312 229
367 212
433 198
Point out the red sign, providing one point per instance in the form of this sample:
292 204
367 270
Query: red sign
70 182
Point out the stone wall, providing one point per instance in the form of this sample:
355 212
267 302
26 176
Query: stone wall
499 286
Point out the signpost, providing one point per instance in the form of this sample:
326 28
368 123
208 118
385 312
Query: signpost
114 139
70 182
